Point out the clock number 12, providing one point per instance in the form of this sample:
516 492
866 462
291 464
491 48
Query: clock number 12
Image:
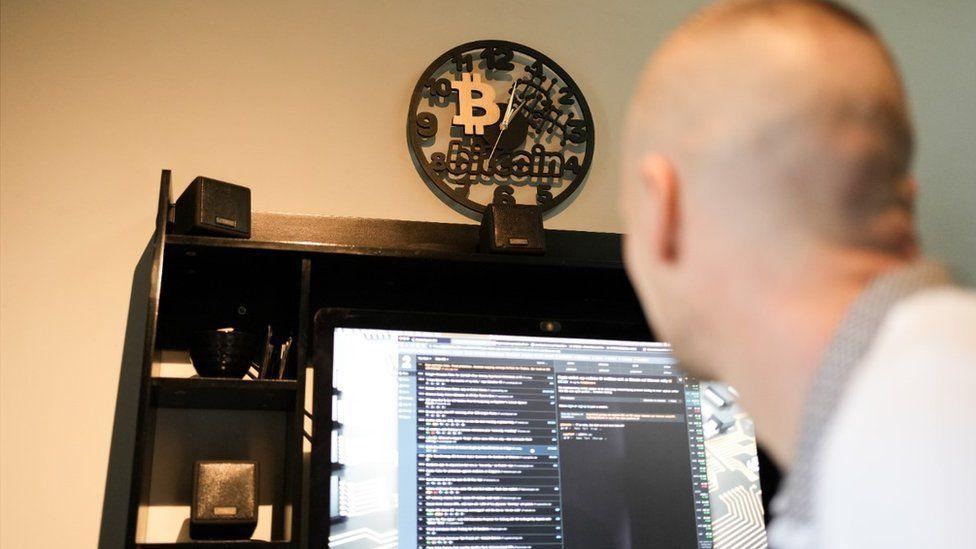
498 58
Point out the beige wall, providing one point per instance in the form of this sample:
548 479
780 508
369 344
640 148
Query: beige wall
305 103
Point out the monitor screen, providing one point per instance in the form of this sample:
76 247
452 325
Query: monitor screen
501 441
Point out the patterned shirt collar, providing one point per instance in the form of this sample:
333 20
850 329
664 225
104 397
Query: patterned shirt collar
851 341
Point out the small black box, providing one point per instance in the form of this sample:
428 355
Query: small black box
209 206
225 500
513 228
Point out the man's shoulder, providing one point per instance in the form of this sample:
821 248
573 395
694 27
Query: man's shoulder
944 314
935 328
899 458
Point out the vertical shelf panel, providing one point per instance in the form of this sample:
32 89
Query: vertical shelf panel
142 458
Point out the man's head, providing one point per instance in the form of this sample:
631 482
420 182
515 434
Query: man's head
764 133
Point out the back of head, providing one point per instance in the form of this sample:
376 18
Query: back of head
786 118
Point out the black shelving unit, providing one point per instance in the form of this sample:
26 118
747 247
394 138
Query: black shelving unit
292 266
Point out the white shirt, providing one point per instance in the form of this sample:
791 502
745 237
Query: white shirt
897 466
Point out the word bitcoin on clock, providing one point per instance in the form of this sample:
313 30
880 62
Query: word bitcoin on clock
496 121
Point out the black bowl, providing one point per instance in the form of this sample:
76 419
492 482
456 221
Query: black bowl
223 354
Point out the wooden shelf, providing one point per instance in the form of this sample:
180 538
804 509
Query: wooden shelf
224 394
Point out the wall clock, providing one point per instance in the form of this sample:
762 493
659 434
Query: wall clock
495 121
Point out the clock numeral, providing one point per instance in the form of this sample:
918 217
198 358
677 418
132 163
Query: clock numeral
572 165
462 63
504 194
566 96
438 162
543 194
536 70
576 131
440 87
498 58
426 125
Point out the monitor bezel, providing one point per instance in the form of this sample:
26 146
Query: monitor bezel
329 318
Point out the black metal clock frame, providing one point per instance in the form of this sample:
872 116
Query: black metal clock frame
422 126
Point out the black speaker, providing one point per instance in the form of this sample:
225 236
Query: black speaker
513 229
225 500
209 206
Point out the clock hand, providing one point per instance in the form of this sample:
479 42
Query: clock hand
506 119
508 108
502 129
495 146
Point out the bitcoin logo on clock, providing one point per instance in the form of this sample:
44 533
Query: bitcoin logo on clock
495 121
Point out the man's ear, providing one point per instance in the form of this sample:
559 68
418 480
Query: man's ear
660 182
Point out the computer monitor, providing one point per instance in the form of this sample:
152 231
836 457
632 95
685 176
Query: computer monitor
451 438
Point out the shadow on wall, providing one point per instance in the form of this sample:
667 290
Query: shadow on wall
115 505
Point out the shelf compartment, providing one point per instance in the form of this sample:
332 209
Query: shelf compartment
224 394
